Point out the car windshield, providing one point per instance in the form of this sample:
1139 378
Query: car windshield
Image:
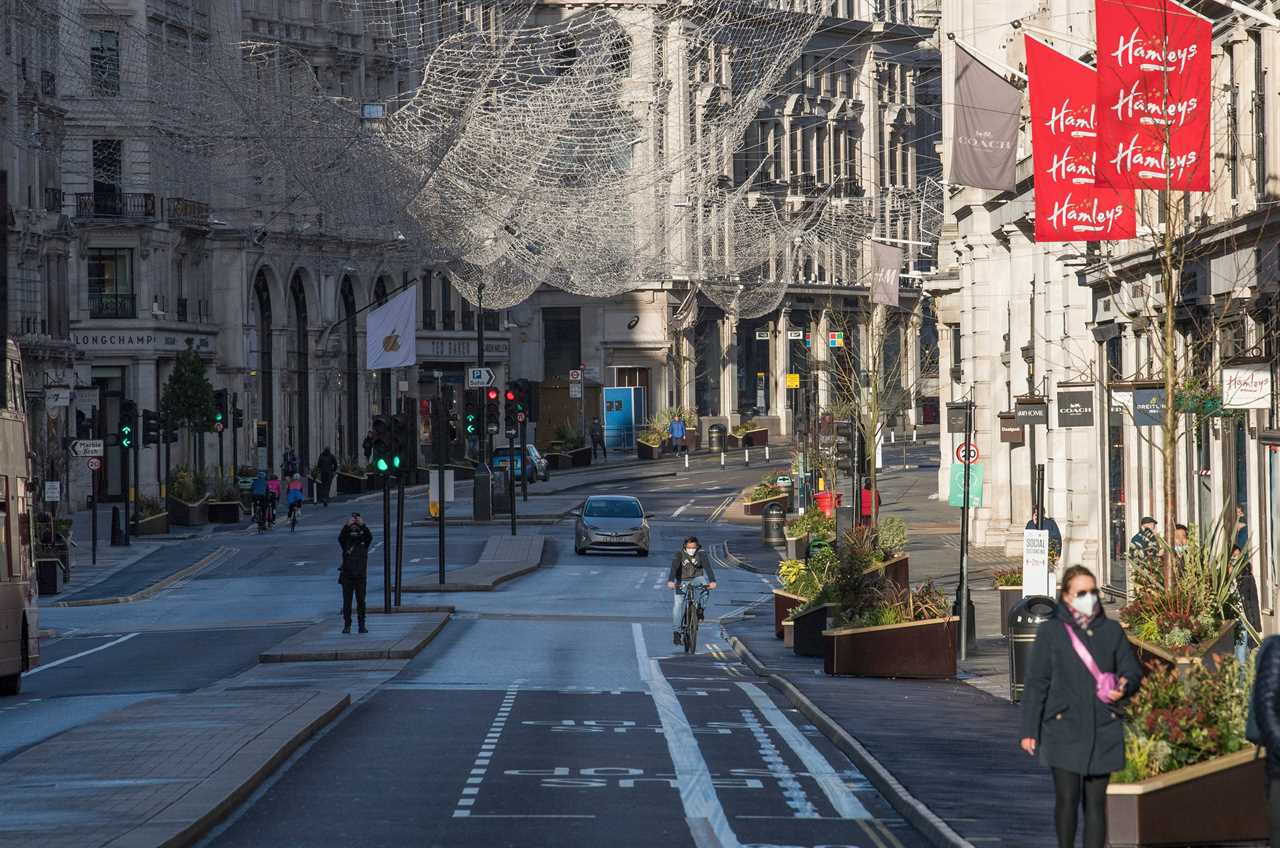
613 508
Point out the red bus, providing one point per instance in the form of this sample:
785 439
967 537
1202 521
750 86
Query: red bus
19 631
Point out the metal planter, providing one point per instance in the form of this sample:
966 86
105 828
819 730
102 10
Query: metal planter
809 627
783 603
925 649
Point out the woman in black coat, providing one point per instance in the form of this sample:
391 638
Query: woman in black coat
1266 712
1077 734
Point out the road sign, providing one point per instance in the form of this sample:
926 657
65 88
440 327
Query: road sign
520 417
793 381
795 335
479 378
762 335
967 453
575 390
217 428
87 447
575 375
52 491
95 463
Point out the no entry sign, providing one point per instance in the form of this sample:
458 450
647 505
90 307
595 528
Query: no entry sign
967 453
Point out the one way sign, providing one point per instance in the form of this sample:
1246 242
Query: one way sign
479 378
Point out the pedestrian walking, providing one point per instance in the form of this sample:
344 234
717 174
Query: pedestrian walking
326 468
1247 588
677 430
1081 674
354 540
1264 725
597 439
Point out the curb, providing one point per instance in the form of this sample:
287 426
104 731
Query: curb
405 649
738 562
427 588
925 821
535 521
159 586
657 475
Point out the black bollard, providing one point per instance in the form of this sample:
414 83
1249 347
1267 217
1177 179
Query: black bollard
117 534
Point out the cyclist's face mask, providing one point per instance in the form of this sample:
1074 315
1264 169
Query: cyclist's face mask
691 550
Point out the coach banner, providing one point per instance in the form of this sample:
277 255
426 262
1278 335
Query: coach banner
1064 124
984 149
1154 95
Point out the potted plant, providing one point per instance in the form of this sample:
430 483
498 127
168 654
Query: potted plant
890 553
351 479
224 501
1190 777
766 492
152 517
802 580
906 633
1191 620
52 541
187 498
748 434
1008 582
650 444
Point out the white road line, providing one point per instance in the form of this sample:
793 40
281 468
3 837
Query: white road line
467 799
56 663
697 793
681 509
797 800
846 804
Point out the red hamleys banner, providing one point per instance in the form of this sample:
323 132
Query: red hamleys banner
1064 129
1154 94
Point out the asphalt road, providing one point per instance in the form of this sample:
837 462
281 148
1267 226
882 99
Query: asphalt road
554 711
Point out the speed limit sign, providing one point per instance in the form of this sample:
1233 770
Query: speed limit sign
95 463
967 453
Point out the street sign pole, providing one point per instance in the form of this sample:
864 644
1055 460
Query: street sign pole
235 446
386 543
481 442
511 478
524 461
962 591
93 516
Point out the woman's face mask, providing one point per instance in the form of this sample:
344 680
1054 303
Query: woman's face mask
1085 604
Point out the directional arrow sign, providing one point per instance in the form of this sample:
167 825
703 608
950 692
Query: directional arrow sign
479 378
86 447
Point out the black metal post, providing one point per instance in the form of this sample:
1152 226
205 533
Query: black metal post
222 464
399 537
962 592
93 517
511 478
164 482
482 442
386 543
235 447
524 461
1039 496
440 523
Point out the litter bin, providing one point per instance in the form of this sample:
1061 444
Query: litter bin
1024 622
825 503
715 438
771 522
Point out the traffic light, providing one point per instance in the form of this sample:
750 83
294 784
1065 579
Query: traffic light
260 434
220 407
845 437
237 418
170 432
471 416
529 391
491 411
128 424
150 427
509 407
380 443
399 440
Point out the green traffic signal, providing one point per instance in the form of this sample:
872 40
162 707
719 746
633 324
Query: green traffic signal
382 463
395 461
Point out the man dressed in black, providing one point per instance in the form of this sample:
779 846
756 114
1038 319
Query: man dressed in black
354 540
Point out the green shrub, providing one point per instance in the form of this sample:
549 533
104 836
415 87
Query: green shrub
148 507
570 438
891 536
813 522
186 485
1011 576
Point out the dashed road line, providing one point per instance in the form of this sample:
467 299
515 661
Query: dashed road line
842 798
481 765
797 800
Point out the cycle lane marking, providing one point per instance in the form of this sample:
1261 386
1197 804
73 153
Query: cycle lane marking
480 766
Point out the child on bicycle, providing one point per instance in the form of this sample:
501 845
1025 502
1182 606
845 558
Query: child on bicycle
690 566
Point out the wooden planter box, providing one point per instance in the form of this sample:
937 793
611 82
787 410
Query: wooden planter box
1204 653
224 512
155 525
758 507
897 571
798 547
186 514
1009 597
783 603
580 457
350 484
750 439
1210 803
914 649
644 451
809 627
558 461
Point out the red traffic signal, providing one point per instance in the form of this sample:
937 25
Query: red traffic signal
511 396
491 393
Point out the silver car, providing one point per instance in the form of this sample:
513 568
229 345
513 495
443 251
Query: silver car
611 523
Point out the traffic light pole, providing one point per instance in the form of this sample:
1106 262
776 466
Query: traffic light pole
235 442
128 492
222 464
511 478
386 543
484 433
399 535
524 461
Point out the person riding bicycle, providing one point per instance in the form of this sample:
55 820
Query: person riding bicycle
261 497
273 493
690 566
295 496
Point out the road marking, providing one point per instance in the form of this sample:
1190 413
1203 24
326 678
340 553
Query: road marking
681 509
724 504
797 800
57 663
485 756
846 804
702 808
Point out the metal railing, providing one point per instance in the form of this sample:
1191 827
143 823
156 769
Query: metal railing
112 305
115 205
179 210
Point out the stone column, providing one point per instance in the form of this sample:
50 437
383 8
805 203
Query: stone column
781 365
729 368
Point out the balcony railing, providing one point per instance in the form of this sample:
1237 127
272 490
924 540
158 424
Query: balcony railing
181 211
182 309
53 200
115 205
112 305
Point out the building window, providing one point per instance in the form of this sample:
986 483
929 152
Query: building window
957 364
468 315
110 273
104 63
428 303
106 166
491 320
562 341
1233 125
1259 116
446 304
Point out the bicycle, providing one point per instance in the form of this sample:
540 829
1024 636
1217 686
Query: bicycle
294 509
260 515
692 617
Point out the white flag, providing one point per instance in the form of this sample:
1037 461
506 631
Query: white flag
391 341
888 266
